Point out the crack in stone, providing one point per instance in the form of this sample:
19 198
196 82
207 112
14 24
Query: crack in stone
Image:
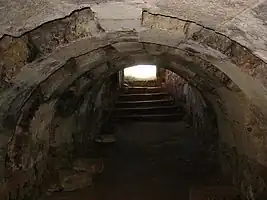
48 22
198 24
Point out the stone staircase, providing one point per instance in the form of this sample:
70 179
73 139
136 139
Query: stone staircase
146 104
152 103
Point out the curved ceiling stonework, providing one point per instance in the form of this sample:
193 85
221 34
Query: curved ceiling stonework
47 46
243 21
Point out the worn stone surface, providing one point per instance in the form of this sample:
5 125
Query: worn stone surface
78 25
79 175
245 172
14 54
41 134
200 115
52 97
76 181
228 17
92 166
102 70
249 28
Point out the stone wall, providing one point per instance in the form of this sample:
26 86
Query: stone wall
199 111
38 67
237 131
246 173
16 52
49 137
233 134
104 98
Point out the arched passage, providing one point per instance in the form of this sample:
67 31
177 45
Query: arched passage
228 74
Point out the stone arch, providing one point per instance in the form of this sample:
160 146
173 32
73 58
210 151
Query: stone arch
181 42
189 58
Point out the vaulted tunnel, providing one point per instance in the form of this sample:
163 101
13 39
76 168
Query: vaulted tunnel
59 81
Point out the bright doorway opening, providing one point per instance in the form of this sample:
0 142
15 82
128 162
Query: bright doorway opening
141 73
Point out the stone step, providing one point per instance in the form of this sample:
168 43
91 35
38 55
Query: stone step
146 103
149 117
151 83
136 90
144 96
147 110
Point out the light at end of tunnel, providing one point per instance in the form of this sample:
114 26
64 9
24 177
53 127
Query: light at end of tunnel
141 72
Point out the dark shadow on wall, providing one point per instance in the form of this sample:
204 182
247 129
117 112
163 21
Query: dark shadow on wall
200 113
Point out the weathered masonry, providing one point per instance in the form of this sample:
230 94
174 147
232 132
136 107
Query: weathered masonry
58 66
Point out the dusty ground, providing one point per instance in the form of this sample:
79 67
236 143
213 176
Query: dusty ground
149 161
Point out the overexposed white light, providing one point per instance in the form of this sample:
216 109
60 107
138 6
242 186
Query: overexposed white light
148 72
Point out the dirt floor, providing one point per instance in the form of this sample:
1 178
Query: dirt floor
149 161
